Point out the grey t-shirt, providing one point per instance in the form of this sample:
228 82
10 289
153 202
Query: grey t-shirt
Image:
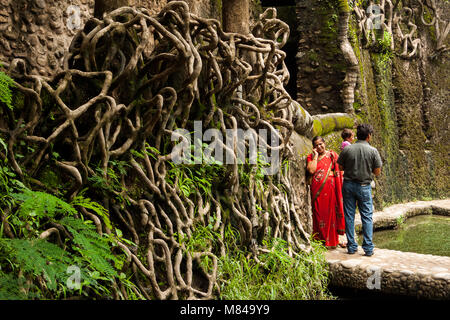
359 160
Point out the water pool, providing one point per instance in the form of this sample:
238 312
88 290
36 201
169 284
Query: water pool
427 234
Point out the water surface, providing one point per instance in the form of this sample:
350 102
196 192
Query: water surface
428 234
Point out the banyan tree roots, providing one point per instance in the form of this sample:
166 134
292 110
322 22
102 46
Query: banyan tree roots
399 20
108 125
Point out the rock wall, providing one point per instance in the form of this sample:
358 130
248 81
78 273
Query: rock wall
406 100
39 31
320 63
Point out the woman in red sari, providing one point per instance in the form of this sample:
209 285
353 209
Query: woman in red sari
326 194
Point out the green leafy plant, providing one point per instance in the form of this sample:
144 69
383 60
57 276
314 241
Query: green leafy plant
277 276
38 258
40 204
193 175
87 203
40 265
384 42
6 83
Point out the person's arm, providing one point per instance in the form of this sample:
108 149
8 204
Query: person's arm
340 160
312 164
377 164
376 172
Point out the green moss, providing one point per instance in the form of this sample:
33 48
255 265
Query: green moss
332 122
312 55
413 167
344 122
317 127
18 99
343 6
216 6
412 138
302 145
328 125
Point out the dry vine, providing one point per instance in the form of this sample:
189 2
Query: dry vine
129 81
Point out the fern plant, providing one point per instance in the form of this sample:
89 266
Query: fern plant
9 287
41 204
38 257
94 250
6 83
35 268
43 265
98 209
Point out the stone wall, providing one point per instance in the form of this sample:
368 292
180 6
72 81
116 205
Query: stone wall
406 100
39 31
321 66
407 103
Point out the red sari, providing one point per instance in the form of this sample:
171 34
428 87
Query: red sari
327 203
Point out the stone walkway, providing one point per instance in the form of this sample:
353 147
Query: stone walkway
395 272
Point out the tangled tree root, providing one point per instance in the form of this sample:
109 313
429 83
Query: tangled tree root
106 123
399 18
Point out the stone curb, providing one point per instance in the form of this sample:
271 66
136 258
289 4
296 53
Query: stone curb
391 216
422 276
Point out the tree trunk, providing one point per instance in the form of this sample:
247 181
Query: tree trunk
102 6
236 16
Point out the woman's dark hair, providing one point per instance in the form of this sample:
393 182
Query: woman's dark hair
317 138
363 131
346 133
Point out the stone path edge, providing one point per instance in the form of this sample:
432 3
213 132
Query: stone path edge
391 216
423 276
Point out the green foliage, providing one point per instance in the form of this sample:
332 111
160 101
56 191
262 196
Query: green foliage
40 204
152 152
279 276
40 267
6 83
87 203
38 258
201 238
253 171
109 182
8 182
9 287
384 42
46 236
199 174
94 250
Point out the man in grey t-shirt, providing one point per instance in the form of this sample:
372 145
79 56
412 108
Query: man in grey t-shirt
359 161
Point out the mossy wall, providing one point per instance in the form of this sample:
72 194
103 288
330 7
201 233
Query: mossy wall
321 66
392 97
406 101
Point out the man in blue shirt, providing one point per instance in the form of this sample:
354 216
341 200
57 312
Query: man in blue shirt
359 161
